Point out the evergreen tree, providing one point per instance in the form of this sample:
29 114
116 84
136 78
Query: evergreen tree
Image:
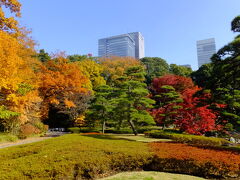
101 106
132 101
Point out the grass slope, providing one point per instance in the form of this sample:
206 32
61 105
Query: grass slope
151 175
72 157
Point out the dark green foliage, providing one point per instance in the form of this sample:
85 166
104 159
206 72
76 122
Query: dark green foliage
101 108
236 24
167 104
73 157
8 120
76 57
180 70
132 103
77 130
43 56
185 138
155 67
222 77
202 77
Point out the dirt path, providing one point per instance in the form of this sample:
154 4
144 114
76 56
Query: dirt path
31 140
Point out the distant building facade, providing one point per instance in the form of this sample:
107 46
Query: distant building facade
131 44
205 49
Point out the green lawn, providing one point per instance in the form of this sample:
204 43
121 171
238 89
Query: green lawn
140 138
151 175
73 156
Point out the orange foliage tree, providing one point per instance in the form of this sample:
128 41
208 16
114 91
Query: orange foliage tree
62 86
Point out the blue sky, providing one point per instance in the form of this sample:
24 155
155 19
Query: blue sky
170 27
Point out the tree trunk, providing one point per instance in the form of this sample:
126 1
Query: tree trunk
133 127
103 126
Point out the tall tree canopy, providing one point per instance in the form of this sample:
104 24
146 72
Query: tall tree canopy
155 67
180 70
114 67
59 82
222 77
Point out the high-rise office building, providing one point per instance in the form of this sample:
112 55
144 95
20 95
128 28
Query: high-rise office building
131 44
205 49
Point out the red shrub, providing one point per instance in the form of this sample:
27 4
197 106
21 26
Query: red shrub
194 160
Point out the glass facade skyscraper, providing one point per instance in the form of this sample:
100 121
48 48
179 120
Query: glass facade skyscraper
205 49
131 44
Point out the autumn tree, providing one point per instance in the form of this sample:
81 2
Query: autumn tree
93 71
192 114
179 83
17 79
59 82
9 24
193 118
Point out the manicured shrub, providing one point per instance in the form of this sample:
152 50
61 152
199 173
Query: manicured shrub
120 131
189 139
74 130
182 158
28 130
7 138
147 128
73 157
89 129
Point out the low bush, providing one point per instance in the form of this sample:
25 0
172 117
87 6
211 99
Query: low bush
27 130
130 131
147 128
73 157
89 129
42 127
189 139
182 158
4 137
75 130
120 131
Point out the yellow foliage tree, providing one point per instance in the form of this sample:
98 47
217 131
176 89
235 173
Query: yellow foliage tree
93 71
9 24
114 67
17 79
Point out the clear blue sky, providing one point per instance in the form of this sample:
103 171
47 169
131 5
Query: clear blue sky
170 27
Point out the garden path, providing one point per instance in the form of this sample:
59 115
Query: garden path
31 140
